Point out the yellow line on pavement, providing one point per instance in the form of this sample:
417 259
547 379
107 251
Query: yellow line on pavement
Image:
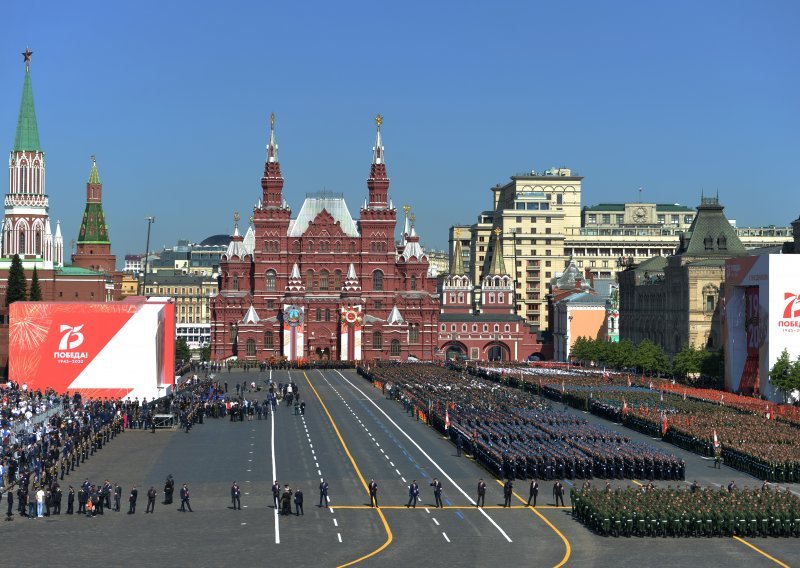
568 550
637 483
761 552
389 536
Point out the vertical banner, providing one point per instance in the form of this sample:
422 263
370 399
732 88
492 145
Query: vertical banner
293 331
750 374
351 321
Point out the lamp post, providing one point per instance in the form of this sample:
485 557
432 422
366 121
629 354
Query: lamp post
514 231
150 220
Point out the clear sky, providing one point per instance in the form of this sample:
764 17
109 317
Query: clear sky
174 99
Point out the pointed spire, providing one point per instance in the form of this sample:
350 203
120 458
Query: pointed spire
406 224
378 182
94 175
498 264
351 272
296 272
251 316
377 150
27 138
272 148
58 229
458 258
394 317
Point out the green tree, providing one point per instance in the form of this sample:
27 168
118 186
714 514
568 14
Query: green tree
205 353
687 361
711 363
35 294
651 357
580 349
785 373
182 351
16 286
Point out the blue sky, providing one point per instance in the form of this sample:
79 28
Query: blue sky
174 99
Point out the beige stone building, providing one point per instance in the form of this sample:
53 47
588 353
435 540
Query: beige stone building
192 295
544 226
674 301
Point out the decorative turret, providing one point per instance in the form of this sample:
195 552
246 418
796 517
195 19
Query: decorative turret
93 245
378 182
497 291
351 284
457 264
295 283
272 182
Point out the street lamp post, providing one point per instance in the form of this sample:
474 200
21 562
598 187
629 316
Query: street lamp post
150 220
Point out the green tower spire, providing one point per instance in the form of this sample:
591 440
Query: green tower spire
93 226
27 138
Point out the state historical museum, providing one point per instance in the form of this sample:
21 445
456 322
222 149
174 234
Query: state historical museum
321 285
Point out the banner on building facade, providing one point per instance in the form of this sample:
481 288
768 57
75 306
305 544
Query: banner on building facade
100 349
293 336
351 323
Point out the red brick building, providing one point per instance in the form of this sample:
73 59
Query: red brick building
321 285
480 322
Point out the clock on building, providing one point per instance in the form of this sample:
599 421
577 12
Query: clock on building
640 214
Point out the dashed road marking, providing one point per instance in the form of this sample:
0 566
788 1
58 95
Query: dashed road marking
444 534
339 536
435 521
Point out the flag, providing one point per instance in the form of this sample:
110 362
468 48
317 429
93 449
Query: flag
629 380
684 394
650 386
661 396
624 407
664 424
722 399
446 420
716 440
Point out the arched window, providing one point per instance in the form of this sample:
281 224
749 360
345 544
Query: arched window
501 298
324 246
319 314
270 283
507 328
394 350
377 280
310 280
23 177
296 247
352 246
337 247
722 242
37 243
496 327
413 333
235 283
337 279
413 282
463 327
377 340
327 314
323 280
251 347
268 341
310 245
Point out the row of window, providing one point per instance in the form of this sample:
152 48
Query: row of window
324 281
377 343
454 327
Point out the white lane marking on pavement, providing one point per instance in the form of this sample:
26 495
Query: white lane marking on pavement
427 510
430 459
316 465
391 464
445 537
339 535
274 469
435 521
403 478
335 523
398 471
319 472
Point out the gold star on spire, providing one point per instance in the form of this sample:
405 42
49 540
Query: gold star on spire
379 121
27 56
406 209
236 217
497 231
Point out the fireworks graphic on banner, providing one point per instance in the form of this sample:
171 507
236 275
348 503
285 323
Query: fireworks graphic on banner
28 331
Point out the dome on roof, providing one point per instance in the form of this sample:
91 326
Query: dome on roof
216 240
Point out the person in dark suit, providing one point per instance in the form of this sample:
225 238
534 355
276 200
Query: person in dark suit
558 493
151 500
132 500
437 492
236 496
533 493
481 493
117 497
413 494
298 502
169 487
373 493
508 490
185 499
323 494
71 500
276 495
10 511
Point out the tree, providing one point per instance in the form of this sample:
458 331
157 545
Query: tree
182 351
687 361
205 353
36 290
651 357
785 373
580 349
16 286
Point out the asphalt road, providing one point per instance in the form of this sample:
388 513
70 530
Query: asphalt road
350 434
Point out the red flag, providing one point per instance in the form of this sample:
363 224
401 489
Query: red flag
684 394
624 407
716 440
664 424
446 420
